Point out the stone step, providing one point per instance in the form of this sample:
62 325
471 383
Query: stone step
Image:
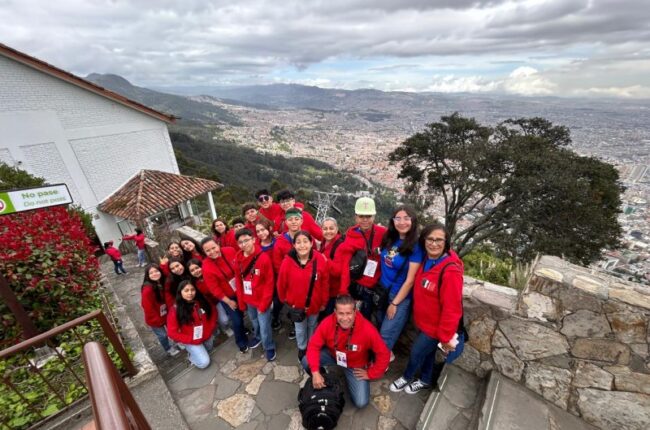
456 406
508 405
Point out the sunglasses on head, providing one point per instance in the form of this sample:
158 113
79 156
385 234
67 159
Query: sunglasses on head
263 198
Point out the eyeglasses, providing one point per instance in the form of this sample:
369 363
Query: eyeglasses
402 218
434 240
244 241
263 198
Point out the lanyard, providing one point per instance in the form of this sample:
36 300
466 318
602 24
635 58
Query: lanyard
249 268
347 343
368 241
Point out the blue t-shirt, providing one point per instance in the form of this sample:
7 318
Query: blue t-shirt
395 267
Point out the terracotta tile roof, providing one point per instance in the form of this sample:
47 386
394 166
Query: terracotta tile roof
80 82
151 191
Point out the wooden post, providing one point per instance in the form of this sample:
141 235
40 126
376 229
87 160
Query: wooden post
29 329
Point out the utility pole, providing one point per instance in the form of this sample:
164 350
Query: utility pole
324 201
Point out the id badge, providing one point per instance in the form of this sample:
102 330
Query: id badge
163 310
248 288
198 332
370 269
233 284
341 359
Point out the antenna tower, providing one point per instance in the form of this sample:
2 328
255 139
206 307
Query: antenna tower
324 202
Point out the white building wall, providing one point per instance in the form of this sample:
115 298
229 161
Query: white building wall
67 134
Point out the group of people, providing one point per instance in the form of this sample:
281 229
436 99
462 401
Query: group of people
348 296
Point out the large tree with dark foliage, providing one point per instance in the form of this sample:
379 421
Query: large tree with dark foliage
516 185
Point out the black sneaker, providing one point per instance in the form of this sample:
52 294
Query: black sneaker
292 334
276 325
243 349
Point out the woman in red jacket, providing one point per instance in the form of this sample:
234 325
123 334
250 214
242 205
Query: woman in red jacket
303 269
222 234
437 309
191 250
191 322
138 238
330 248
155 307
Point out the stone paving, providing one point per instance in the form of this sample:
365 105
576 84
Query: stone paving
244 391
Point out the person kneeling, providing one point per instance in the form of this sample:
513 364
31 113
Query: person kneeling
346 338
191 322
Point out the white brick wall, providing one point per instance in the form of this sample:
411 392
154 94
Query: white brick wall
5 157
45 161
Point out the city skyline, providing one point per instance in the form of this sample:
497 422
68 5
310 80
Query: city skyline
531 47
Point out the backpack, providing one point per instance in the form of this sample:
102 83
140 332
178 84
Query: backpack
321 409
358 264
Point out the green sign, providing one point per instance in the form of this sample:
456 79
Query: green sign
34 198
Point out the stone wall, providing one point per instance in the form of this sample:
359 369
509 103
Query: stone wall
576 337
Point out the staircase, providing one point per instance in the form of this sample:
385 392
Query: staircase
468 402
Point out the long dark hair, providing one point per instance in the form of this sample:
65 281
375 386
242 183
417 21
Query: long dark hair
156 285
392 235
196 262
174 279
426 231
293 253
187 256
185 309
214 230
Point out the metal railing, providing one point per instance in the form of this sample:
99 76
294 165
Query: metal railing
114 407
42 376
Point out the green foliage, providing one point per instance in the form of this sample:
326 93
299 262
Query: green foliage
13 178
515 185
481 263
242 170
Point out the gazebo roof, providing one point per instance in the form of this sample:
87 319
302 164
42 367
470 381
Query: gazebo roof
150 192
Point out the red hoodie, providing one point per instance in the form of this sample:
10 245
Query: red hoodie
293 283
203 288
186 333
334 263
219 274
435 319
138 238
355 240
283 244
308 224
256 287
364 338
114 253
226 239
155 312
272 213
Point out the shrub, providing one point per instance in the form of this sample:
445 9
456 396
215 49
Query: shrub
48 262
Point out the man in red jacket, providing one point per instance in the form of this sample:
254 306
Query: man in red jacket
288 201
116 257
255 289
251 215
346 339
268 208
364 236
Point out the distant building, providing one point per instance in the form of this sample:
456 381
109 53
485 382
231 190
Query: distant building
67 130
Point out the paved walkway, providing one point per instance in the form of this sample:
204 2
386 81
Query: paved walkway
244 391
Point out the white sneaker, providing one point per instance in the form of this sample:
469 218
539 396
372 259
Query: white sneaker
398 384
392 357
229 332
173 351
416 386
180 346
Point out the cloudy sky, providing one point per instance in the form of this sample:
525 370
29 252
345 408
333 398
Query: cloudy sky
526 47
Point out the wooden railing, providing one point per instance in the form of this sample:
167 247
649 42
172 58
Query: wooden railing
36 387
114 408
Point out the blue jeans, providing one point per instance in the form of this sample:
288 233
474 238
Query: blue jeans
391 329
367 306
119 266
304 330
142 259
161 334
224 321
422 357
262 326
200 354
237 321
359 388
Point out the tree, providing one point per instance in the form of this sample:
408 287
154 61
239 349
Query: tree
516 185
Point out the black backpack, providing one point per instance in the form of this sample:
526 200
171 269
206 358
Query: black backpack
358 264
321 409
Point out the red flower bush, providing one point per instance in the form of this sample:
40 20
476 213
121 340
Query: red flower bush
48 262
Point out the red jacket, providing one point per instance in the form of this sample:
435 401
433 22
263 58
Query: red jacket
138 238
293 283
364 338
185 334
203 288
114 253
308 224
283 244
272 213
218 274
354 241
335 263
227 239
261 278
435 319
155 312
